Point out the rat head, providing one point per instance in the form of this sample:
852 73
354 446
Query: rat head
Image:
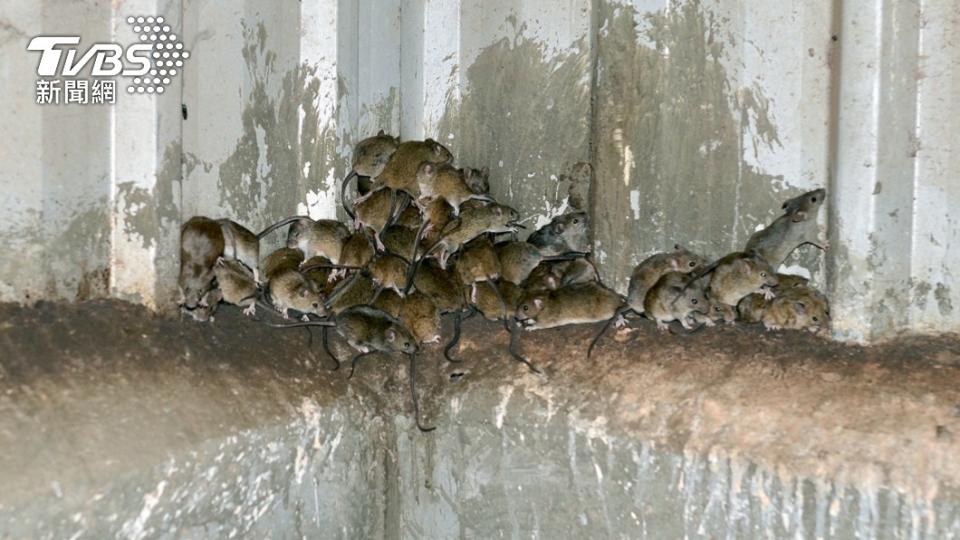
308 300
575 230
370 155
498 218
761 273
684 260
809 313
478 180
529 308
426 176
806 205
438 152
690 300
720 312
297 232
400 339
195 282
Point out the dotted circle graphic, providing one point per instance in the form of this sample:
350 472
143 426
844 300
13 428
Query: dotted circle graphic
166 53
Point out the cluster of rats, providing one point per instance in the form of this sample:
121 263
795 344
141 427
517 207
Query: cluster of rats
426 240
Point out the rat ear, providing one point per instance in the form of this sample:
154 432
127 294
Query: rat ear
800 307
304 292
499 210
538 302
431 142
560 226
485 171
467 173
391 335
381 133
428 169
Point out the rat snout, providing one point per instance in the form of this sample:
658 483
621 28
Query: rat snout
771 280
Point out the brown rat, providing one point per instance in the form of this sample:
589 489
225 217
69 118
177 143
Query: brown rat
470 224
376 211
288 288
445 291
478 180
797 226
323 237
797 306
237 285
564 233
582 303
447 183
675 297
370 157
358 289
736 275
201 244
389 271
358 250
400 172
400 240
368 331
518 260
388 300
420 315
477 261
436 215
206 307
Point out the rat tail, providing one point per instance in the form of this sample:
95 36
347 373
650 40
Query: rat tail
413 393
343 194
417 260
620 313
566 256
514 341
281 223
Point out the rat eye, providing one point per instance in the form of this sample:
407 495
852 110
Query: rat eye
406 344
763 274
316 305
813 199
717 309
526 307
816 319
694 301
692 264
575 221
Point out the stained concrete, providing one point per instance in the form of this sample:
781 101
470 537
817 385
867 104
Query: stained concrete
118 423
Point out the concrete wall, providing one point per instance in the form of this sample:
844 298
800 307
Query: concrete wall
698 117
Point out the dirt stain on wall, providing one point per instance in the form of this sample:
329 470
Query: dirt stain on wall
527 117
670 138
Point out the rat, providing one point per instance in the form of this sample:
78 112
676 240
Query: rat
577 270
376 211
288 288
436 215
478 180
470 224
445 291
358 250
206 307
575 304
370 157
644 276
368 331
201 244
323 237
477 261
564 233
797 306
518 259
356 290
420 315
237 285
388 300
675 297
389 272
400 240
400 172
496 301
797 226
737 275
447 183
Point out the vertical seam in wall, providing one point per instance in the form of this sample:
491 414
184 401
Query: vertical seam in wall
912 314
112 194
593 34
835 56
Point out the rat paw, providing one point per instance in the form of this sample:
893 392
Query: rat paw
305 318
769 294
251 310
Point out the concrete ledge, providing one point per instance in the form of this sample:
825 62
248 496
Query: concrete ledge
117 423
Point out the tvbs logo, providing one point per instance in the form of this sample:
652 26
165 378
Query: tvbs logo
149 66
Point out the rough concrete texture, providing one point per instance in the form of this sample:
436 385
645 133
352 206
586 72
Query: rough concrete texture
120 423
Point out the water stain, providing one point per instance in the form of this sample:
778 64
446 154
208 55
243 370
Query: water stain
669 127
525 115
